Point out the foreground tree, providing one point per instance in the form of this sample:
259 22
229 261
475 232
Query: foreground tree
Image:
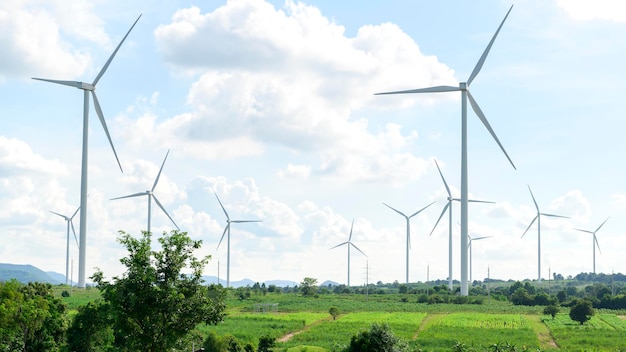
551 310
155 304
308 286
379 338
581 311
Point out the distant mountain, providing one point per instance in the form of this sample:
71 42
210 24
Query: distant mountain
248 282
329 283
26 273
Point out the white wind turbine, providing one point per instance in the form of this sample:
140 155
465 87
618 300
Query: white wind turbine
408 232
538 218
465 95
470 239
349 243
87 88
227 230
594 242
150 194
448 208
70 223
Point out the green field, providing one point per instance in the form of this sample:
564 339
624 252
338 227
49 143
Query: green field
304 324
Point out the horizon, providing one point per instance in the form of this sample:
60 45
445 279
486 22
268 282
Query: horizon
271 105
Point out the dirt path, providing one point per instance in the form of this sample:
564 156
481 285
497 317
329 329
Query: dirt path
543 333
288 336
426 321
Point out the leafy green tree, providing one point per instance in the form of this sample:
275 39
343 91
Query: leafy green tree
379 338
155 304
91 329
551 310
308 286
266 343
581 311
334 311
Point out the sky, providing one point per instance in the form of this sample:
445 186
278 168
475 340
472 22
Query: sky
271 105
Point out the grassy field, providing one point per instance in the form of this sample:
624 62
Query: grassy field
304 324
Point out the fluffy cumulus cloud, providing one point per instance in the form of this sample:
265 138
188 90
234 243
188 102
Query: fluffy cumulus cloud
43 37
611 10
291 78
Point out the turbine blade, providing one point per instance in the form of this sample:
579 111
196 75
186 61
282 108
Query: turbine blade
445 208
480 201
396 210
96 104
437 89
598 229
74 84
555 216
131 195
597 244
587 231
61 215
481 61
483 119
218 199
357 248
165 211
533 196
443 179
161 169
339 245
73 215
106 65
419 211
241 221
74 231
223 234
531 224
351 227
480 238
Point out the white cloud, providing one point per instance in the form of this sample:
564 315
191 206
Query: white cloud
582 10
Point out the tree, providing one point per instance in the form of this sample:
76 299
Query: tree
379 338
308 286
266 343
154 304
334 311
581 311
91 329
551 310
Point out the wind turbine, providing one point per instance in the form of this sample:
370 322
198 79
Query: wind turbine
349 243
594 242
470 239
227 230
150 194
538 218
408 233
448 208
87 88
70 223
465 95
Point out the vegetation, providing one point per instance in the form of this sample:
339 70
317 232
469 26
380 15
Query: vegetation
581 311
378 339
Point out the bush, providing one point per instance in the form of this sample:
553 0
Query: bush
378 339
581 311
65 293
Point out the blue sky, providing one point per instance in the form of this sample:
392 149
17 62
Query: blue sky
271 105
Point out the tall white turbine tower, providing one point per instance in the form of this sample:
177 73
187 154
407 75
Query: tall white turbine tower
87 88
465 95
538 218
349 243
594 242
470 252
70 223
227 230
150 194
448 208
408 233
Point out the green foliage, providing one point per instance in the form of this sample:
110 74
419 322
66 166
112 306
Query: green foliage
266 343
65 293
31 318
551 310
91 329
308 286
581 311
379 338
154 305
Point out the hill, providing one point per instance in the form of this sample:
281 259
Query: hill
26 273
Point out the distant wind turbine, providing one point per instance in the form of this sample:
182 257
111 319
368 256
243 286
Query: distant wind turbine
465 95
349 243
227 231
87 88
70 224
594 242
150 194
448 208
408 233
538 218
470 252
